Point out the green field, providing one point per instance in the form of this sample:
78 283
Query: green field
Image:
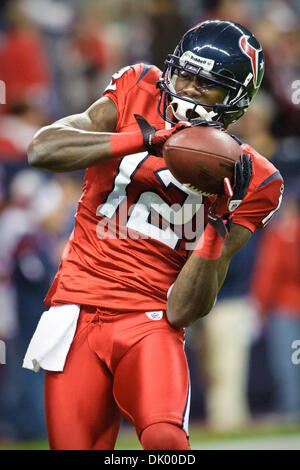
256 436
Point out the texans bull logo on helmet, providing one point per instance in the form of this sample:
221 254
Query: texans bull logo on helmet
253 55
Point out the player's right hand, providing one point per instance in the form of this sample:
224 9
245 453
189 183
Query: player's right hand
153 138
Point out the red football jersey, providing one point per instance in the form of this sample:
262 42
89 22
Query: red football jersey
135 223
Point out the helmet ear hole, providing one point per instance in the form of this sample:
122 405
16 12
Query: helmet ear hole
226 73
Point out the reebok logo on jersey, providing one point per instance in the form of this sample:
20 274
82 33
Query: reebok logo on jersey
155 315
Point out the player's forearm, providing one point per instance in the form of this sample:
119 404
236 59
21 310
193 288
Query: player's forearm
62 148
195 289
198 283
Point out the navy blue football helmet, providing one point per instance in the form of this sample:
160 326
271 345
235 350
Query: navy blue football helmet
223 53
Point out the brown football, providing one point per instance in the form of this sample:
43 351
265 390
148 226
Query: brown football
201 157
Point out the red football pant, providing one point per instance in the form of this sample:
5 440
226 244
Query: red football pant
118 364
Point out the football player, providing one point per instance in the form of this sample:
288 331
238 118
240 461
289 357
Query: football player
112 340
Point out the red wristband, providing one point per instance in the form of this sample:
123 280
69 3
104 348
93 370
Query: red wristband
126 143
209 245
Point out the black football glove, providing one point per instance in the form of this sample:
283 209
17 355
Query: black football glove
242 177
219 209
153 138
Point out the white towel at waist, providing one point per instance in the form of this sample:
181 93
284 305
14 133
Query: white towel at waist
52 338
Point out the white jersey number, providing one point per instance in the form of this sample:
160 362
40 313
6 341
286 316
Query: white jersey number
151 205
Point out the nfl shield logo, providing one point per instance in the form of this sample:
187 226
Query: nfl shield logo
155 314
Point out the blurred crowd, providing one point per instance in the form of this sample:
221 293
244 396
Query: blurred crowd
56 59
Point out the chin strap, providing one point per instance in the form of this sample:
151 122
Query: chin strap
204 123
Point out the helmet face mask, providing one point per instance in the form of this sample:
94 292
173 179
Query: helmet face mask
221 53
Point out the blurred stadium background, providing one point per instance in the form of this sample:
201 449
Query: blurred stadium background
56 58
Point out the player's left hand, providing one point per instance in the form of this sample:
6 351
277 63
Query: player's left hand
233 195
242 177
